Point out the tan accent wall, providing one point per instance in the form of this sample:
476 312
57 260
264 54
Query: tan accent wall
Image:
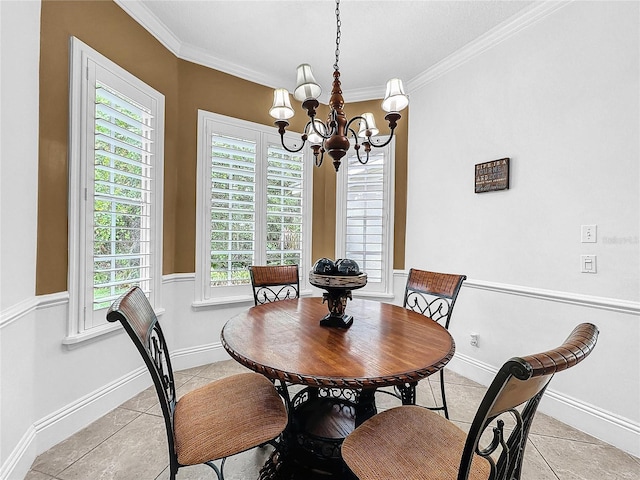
187 87
324 185
108 29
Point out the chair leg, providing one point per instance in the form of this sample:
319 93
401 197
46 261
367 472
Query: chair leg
219 471
407 393
444 397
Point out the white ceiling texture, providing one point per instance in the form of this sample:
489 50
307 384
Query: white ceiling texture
265 40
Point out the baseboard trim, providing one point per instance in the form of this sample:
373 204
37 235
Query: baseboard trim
66 421
59 425
78 414
21 457
618 431
184 358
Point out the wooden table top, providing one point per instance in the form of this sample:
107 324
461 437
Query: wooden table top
386 345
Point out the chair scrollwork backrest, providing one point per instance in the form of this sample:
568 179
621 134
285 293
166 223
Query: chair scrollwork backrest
272 283
432 294
520 381
136 315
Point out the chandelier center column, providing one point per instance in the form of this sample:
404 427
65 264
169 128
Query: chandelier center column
338 144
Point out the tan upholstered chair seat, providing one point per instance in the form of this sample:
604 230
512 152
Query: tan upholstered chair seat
226 417
409 439
414 443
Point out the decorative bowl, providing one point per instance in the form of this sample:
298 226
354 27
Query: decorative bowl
338 291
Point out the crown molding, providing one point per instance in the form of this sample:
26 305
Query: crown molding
152 24
508 28
364 94
141 14
197 55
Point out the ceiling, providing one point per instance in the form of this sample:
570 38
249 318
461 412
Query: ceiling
265 40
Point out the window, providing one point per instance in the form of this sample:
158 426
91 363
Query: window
116 163
364 230
254 206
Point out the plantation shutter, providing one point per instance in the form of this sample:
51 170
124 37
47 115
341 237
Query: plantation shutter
122 173
233 219
253 206
284 206
365 215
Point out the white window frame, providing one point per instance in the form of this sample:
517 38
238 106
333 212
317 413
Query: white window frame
86 67
384 289
208 123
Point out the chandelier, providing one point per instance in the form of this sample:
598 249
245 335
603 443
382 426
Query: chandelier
333 136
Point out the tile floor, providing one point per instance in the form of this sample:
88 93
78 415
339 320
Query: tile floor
129 443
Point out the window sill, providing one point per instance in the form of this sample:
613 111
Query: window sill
93 334
221 301
98 332
232 300
380 295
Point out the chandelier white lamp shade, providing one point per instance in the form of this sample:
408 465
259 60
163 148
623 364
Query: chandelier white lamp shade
368 123
395 99
333 136
307 88
281 109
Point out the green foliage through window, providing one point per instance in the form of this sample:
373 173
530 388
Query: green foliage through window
122 196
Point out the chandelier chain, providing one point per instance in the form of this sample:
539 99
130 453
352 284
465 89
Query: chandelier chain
332 136
338 34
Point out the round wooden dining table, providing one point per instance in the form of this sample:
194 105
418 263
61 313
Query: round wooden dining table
338 369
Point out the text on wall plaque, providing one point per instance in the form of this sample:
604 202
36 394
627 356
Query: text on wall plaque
492 176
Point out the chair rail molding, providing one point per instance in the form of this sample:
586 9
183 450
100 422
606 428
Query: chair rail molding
29 305
178 277
603 303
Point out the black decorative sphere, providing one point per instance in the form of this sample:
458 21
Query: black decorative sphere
324 266
346 266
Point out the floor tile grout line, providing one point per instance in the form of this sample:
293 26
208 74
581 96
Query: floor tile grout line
103 441
530 442
584 442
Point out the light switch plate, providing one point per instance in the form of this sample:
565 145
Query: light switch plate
588 264
589 233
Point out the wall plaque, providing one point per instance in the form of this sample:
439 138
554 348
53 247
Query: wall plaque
492 176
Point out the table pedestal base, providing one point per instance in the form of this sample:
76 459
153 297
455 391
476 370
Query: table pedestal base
319 420
339 321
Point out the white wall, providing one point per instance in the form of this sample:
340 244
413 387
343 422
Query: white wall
560 98
19 50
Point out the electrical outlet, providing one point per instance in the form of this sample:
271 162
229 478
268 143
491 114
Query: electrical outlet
474 340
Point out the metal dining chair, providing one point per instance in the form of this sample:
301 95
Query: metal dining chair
213 422
433 295
272 283
414 442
